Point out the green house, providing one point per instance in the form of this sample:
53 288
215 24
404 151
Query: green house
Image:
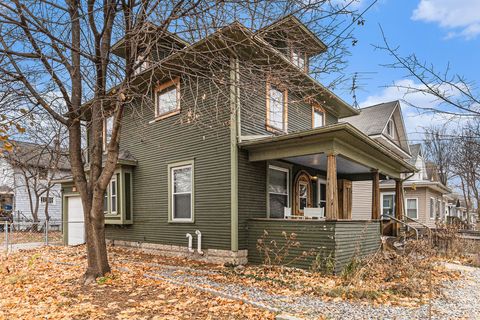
229 137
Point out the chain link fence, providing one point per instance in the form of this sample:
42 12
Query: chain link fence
18 235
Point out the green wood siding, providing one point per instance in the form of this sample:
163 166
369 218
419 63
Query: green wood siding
341 240
156 145
355 239
253 108
252 192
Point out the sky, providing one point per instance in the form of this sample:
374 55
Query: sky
437 31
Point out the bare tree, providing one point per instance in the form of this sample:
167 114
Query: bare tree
39 161
452 93
70 51
439 151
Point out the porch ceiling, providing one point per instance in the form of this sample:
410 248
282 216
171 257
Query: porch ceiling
319 161
357 152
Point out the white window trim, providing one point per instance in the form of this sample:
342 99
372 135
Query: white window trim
105 142
319 182
430 208
171 168
381 200
283 169
416 206
392 131
114 179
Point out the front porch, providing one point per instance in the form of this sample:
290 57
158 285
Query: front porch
309 182
310 173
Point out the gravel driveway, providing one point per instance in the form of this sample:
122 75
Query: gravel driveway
461 298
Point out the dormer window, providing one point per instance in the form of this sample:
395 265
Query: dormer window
298 58
390 129
141 64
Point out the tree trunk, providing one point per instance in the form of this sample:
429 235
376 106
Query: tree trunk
96 244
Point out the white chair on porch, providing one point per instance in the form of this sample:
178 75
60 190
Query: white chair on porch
318 213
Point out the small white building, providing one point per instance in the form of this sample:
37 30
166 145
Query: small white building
27 176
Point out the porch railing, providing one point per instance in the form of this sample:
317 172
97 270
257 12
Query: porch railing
387 216
430 233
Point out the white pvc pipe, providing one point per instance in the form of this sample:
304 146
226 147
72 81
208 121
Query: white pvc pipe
190 242
199 241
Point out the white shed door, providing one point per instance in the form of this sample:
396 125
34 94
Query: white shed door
76 224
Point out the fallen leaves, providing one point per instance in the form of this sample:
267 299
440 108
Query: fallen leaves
44 283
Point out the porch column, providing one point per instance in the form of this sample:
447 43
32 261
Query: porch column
375 195
332 189
398 202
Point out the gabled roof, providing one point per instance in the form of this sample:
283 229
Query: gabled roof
238 36
294 27
373 119
36 155
415 151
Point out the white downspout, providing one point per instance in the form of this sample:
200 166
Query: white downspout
190 242
199 242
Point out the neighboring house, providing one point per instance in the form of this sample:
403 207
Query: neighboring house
228 159
26 181
457 210
423 192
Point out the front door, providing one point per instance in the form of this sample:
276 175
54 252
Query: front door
303 193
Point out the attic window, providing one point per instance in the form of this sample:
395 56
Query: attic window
141 64
298 58
390 128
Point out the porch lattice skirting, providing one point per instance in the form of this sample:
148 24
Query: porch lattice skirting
210 255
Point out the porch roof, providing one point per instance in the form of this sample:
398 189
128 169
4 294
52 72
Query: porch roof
341 139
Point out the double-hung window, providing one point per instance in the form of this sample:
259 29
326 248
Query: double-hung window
110 198
181 192
432 208
318 117
167 99
141 64
276 109
107 131
298 58
388 204
278 191
113 195
412 208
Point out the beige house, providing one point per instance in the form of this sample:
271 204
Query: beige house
423 193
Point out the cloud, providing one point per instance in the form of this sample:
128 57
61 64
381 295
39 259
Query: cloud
460 17
416 119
